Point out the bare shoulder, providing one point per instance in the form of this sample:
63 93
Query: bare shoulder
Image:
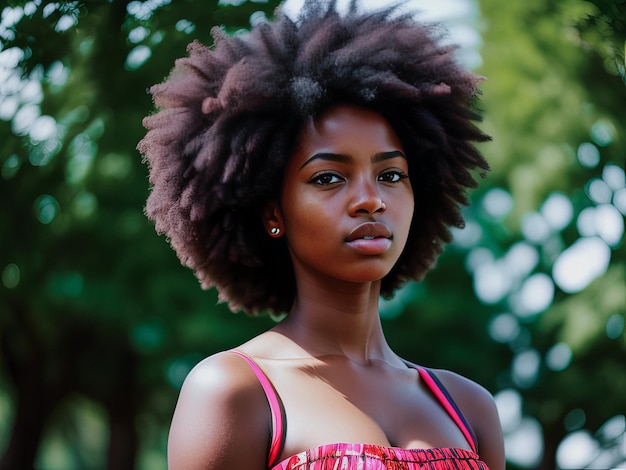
471 397
479 408
221 418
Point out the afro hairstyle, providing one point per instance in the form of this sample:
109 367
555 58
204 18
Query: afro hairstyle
227 119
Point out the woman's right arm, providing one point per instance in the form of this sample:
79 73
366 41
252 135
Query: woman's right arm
222 418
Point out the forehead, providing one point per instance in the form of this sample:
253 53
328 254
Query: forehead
346 129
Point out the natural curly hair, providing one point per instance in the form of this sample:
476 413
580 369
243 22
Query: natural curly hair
227 122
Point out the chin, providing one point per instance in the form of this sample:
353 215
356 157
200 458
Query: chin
368 276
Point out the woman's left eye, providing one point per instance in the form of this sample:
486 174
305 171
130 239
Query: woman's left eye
392 176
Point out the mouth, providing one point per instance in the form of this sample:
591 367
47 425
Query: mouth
369 231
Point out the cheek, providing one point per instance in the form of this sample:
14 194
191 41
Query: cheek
405 213
306 223
304 216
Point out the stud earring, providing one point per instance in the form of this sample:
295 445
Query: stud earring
274 231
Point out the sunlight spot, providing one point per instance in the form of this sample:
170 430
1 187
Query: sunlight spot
65 22
588 155
82 150
42 153
185 26
84 205
114 165
86 45
147 337
11 16
178 370
257 18
139 10
574 420
604 221
157 38
521 259
603 132
11 57
576 450
11 166
504 328
144 10
559 357
525 368
478 257
491 282
42 129
535 228
24 119
497 203
30 8
581 263
615 326
46 208
66 284
468 236
614 428
586 222
535 295
509 404
598 191
609 224
391 308
8 107
558 211
524 446
138 34
619 200
57 74
11 83
614 177
11 276
137 57
31 92
49 9
6 34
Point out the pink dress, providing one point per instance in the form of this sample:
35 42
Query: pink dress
345 456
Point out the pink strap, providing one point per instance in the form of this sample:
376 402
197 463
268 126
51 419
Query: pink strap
275 408
448 404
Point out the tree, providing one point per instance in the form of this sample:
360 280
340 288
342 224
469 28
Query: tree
94 303
554 104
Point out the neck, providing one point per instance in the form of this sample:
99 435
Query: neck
338 319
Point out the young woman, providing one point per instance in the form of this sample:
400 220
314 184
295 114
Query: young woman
306 169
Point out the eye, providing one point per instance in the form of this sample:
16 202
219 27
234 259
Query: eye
326 179
392 176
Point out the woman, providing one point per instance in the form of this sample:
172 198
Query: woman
306 169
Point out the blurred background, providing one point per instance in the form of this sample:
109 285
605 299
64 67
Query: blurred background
99 322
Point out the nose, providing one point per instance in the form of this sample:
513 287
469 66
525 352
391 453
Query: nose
366 199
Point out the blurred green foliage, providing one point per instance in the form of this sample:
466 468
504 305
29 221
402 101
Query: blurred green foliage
99 322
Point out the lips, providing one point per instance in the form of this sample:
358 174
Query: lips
369 231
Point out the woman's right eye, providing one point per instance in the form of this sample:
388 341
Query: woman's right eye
326 179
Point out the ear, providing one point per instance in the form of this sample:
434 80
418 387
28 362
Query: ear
273 220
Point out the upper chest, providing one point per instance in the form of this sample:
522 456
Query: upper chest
339 401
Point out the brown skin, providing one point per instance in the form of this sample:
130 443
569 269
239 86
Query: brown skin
329 361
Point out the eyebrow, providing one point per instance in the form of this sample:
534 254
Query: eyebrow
341 158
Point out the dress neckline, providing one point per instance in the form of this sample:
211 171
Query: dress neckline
374 452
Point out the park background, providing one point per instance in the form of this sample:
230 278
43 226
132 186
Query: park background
99 322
